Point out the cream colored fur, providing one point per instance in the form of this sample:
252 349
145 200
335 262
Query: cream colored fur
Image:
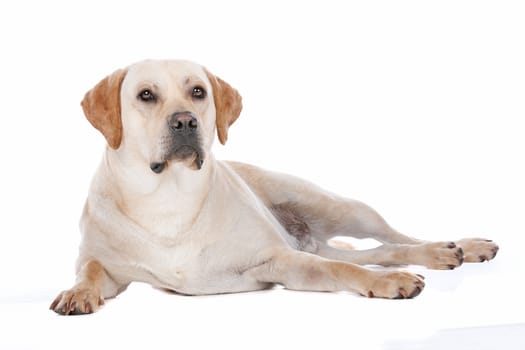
212 230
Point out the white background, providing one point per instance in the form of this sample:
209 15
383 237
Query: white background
413 107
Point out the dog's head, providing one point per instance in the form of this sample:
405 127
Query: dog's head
163 111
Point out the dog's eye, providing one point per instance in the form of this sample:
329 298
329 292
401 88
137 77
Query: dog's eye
198 92
147 95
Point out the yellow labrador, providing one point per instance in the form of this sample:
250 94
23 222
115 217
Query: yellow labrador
162 210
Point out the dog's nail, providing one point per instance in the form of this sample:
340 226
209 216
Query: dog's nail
72 307
451 245
403 293
53 305
370 294
416 292
420 276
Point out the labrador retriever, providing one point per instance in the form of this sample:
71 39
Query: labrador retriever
162 210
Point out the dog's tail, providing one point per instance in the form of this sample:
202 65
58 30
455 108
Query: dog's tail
340 244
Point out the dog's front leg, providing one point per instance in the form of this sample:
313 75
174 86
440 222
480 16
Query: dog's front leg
303 271
86 295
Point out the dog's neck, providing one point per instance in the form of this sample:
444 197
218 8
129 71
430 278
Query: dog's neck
175 195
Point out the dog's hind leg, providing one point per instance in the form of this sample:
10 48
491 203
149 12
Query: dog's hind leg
435 255
328 215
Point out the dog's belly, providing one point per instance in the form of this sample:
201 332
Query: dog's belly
188 269
219 283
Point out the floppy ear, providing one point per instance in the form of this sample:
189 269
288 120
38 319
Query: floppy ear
101 106
228 105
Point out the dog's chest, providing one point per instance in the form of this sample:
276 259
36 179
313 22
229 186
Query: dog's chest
179 250
165 216
194 242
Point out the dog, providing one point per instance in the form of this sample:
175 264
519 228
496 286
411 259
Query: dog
162 210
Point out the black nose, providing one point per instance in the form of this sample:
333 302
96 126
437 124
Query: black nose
183 123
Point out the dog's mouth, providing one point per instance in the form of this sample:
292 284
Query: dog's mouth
193 156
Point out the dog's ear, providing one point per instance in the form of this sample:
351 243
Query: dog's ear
228 105
101 106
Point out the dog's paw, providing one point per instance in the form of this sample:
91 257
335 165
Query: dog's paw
478 249
441 255
395 285
77 301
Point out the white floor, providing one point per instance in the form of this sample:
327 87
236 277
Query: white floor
477 306
484 338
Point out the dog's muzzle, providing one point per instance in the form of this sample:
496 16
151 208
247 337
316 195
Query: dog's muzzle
184 142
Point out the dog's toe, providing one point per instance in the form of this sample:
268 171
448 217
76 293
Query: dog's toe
442 256
478 249
77 302
397 285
